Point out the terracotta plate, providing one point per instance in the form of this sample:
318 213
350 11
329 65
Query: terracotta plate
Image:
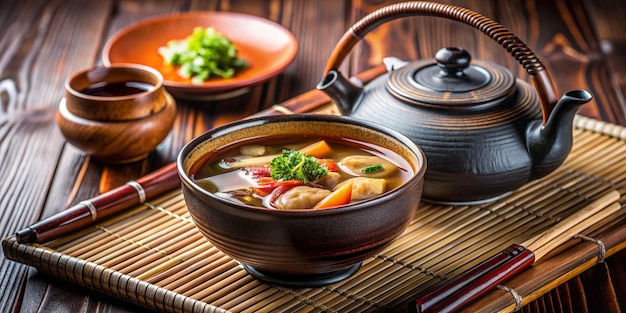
266 45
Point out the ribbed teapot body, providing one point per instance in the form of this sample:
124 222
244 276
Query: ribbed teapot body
474 153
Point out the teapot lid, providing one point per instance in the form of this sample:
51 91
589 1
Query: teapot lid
452 82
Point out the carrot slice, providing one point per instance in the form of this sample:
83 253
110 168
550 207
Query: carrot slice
318 149
339 196
330 164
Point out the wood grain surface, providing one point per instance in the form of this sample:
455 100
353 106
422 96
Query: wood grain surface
582 43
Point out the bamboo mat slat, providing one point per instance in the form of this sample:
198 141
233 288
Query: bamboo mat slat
152 255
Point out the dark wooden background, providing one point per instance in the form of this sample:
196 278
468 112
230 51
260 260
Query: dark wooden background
582 42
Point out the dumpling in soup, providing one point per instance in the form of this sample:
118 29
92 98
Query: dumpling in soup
300 197
368 165
365 187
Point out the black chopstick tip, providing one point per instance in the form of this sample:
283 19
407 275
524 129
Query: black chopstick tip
26 235
412 307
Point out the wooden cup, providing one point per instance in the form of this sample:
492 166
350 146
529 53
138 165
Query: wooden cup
116 114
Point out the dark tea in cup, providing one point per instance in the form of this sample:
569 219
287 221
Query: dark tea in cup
118 92
116 89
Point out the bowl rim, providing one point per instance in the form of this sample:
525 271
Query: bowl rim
417 177
68 84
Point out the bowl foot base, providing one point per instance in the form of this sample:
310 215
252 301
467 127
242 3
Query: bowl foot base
303 281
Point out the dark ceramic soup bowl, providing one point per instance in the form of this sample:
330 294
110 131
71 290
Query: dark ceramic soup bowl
301 248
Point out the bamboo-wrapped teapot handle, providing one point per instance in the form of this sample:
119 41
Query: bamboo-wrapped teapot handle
518 49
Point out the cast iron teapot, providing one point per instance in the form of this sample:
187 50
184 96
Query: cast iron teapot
484 132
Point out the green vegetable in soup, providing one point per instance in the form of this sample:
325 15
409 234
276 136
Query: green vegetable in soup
368 165
294 165
372 169
204 54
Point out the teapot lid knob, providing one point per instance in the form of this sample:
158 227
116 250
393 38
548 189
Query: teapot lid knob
453 72
452 61
453 80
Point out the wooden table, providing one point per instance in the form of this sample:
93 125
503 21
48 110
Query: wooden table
582 42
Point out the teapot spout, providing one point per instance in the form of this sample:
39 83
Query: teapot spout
344 93
550 143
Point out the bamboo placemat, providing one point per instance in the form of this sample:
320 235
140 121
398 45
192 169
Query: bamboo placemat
152 255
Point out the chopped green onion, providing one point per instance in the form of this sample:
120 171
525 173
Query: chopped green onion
204 54
372 169
294 165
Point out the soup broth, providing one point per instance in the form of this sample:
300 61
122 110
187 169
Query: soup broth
255 172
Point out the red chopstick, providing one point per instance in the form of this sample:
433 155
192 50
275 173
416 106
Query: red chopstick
453 294
89 211
487 275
